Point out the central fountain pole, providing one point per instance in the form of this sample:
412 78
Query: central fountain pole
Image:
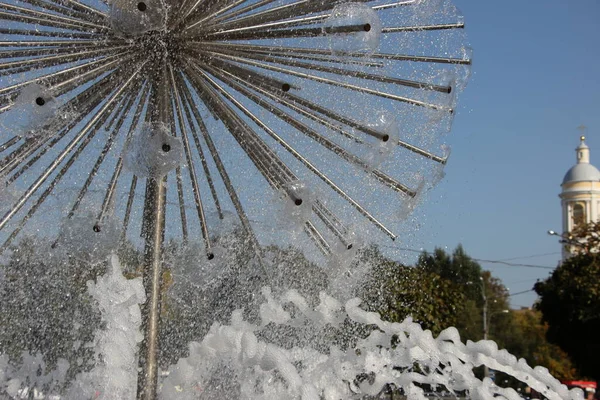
152 276
153 233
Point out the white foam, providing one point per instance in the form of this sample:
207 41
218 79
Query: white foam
263 370
115 373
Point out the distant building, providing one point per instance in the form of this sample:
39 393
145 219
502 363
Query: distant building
580 196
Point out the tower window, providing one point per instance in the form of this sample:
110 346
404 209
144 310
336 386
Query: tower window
578 214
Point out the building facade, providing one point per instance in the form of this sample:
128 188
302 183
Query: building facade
580 195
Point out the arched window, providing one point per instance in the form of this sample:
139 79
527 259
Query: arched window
578 214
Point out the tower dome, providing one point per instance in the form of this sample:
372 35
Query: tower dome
583 171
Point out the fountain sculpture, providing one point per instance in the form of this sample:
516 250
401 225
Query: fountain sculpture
211 132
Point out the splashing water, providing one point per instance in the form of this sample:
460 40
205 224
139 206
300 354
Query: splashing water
400 354
262 360
115 373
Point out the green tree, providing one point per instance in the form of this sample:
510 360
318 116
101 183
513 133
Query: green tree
570 303
585 238
397 291
529 342
467 274
458 267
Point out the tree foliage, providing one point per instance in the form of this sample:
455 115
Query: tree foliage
529 341
570 304
457 267
476 284
585 238
397 291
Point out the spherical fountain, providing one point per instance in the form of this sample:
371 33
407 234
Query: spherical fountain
205 134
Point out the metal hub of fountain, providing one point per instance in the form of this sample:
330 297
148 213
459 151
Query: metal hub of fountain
158 43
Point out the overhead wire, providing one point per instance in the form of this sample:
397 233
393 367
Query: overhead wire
532 256
522 292
475 259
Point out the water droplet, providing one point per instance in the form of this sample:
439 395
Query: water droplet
153 151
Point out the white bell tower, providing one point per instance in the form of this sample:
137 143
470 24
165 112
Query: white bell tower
580 196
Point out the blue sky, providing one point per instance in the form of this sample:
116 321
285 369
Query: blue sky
535 80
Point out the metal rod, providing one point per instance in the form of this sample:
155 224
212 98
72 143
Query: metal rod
66 11
333 82
272 168
190 9
69 35
345 72
269 19
128 207
317 238
265 18
458 25
222 9
76 71
219 164
37 63
191 168
85 130
9 143
119 112
106 64
278 95
109 196
332 223
310 166
302 50
322 59
395 4
154 234
81 7
269 33
241 11
20 14
225 178
46 50
207 173
255 77
330 145
155 199
277 173
179 181
50 188
53 17
85 102
294 100
35 158
182 214
266 2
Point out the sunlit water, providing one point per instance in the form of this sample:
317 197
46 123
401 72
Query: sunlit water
263 359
